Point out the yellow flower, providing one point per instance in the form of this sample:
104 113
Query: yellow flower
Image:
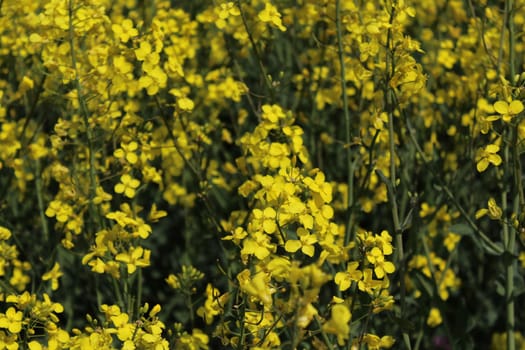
305 243
34 345
508 110
271 15
197 340
9 341
385 242
213 305
5 233
136 257
54 274
60 210
319 187
374 342
486 156
376 257
272 113
154 214
451 241
368 283
434 318
344 279
127 185
143 51
185 104
493 210
338 324
256 286
125 330
258 244
127 151
12 320
267 216
124 30
228 9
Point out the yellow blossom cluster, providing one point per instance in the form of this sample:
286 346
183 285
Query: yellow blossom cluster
268 174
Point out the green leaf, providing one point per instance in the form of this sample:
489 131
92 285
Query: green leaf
426 284
407 222
519 285
493 250
500 288
462 229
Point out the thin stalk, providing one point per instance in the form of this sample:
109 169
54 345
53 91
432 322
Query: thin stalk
256 51
324 335
189 301
190 165
391 183
393 177
509 275
502 37
518 181
510 232
509 14
40 199
348 123
493 246
118 294
242 322
509 238
138 300
509 298
85 115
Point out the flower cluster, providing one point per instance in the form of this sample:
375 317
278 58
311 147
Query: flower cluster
268 174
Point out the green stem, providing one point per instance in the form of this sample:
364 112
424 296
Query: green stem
40 199
323 334
138 302
509 300
256 52
85 116
493 246
351 164
189 301
391 184
510 232
242 323
502 38
518 181
191 166
509 238
118 293
509 14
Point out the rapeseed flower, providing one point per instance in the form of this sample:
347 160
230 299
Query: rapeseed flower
305 242
352 274
434 318
270 14
134 258
487 155
127 185
493 210
12 320
338 324
54 274
507 110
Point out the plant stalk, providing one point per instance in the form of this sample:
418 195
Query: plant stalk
351 164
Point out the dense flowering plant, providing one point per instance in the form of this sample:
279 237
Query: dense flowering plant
261 174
